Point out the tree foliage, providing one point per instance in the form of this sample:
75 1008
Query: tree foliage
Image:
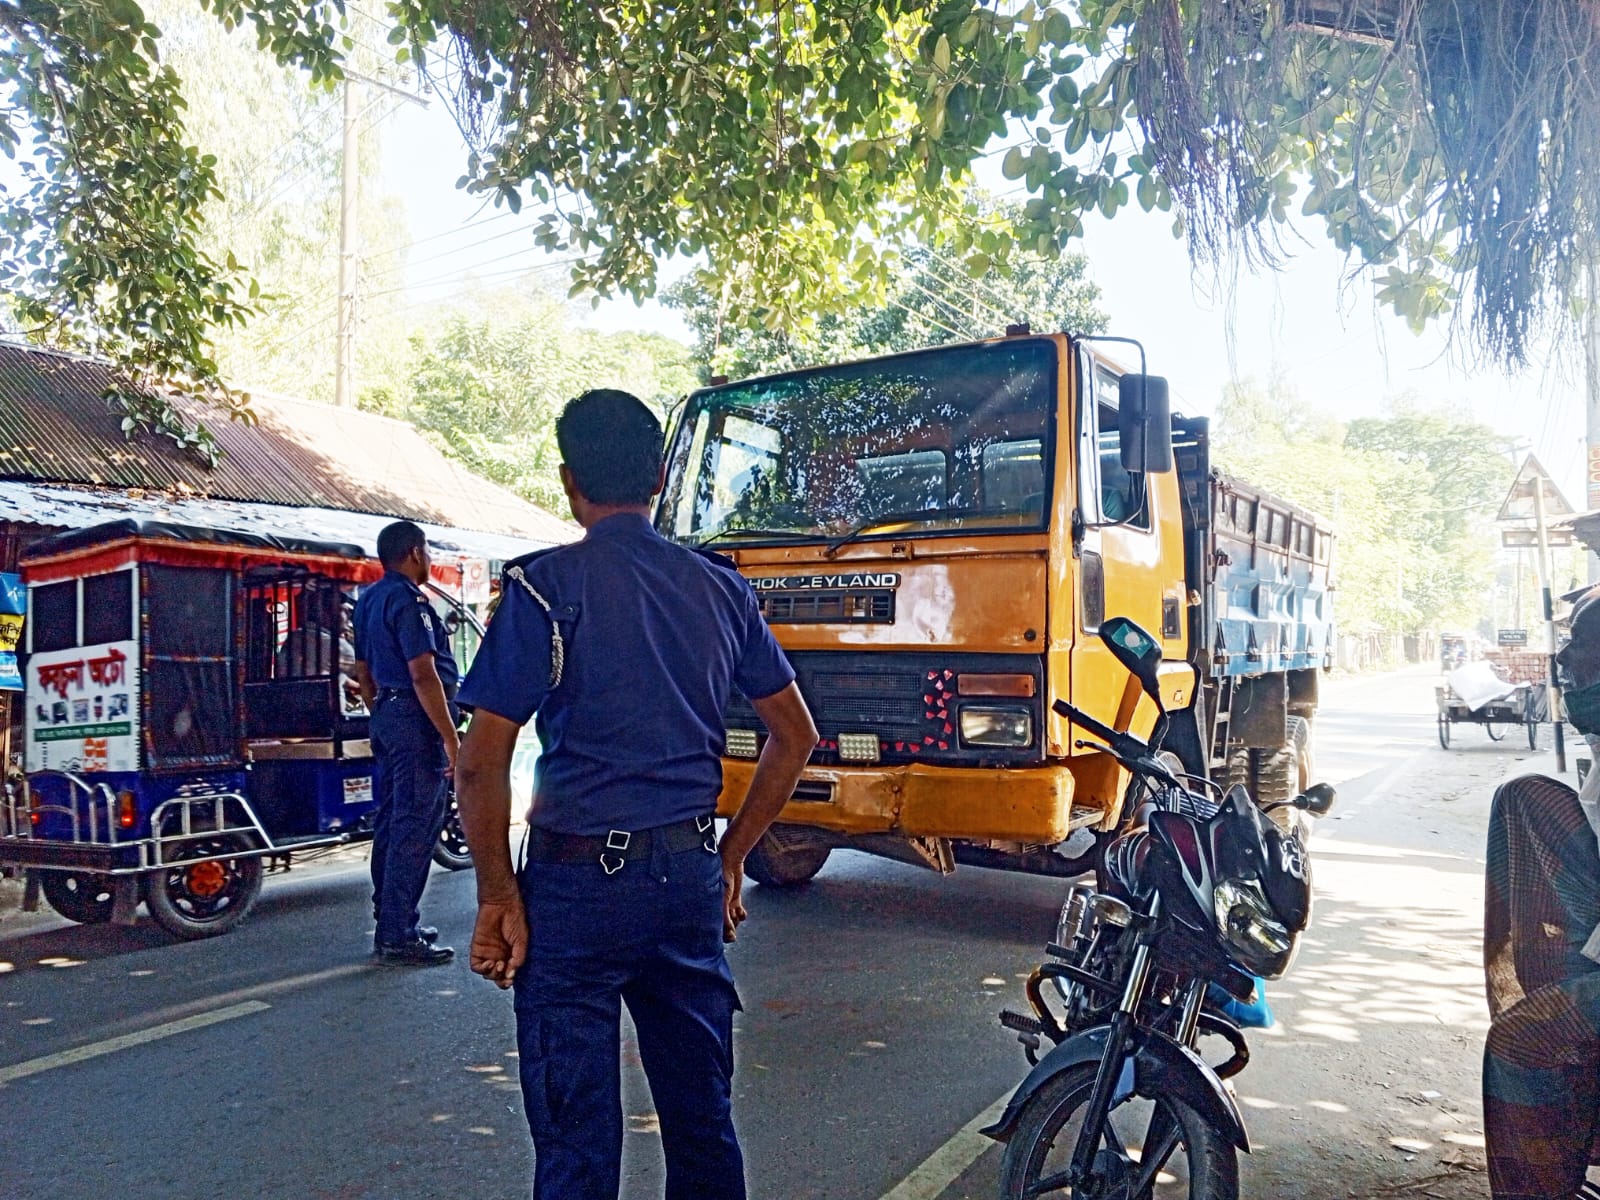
1411 497
929 301
488 378
792 144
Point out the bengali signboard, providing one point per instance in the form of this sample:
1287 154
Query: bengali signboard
13 609
83 708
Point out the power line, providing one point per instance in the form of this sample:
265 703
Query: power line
468 273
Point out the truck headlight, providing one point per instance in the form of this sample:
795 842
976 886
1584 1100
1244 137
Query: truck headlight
858 747
985 726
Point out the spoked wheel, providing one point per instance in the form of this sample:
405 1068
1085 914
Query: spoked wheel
1444 731
203 899
1154 1148
81 896
1496 733
451 851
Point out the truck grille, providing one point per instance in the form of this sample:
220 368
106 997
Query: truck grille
855 606
908 700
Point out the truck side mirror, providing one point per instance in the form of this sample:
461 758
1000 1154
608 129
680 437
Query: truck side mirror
1144 423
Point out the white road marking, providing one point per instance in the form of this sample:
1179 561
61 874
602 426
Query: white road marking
945 1165
155 1033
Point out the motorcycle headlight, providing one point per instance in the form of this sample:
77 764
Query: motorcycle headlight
1247 924
985 726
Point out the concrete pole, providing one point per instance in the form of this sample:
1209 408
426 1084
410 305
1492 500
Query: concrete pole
1552 689
349 194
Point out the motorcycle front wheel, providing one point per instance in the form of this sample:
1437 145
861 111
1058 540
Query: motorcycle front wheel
1193 1160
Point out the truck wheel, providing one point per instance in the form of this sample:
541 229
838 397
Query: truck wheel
1274 773
81 896
1237 771
773 864
1300 739
193 900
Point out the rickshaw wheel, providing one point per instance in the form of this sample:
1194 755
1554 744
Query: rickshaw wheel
451 851
1444 731
203 899
81 896
1496 733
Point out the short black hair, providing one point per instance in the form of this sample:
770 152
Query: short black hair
398 540
612 444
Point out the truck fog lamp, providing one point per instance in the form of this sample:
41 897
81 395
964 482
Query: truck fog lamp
743 743
984 726
858 747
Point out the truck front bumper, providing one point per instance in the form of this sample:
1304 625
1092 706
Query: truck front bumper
1017 804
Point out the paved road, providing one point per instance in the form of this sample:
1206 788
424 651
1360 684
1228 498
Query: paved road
292 1066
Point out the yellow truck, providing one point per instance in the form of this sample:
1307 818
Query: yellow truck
935 538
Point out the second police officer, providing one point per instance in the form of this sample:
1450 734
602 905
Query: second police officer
625 647
408 677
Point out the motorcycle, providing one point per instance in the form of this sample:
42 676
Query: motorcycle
1194 901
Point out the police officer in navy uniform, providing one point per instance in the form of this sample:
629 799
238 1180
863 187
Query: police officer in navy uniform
625 647
408 678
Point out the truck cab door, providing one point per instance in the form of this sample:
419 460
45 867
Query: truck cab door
1130 553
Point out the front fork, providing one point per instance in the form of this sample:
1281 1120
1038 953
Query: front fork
1111 1062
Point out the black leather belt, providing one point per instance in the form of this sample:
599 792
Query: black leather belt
618 846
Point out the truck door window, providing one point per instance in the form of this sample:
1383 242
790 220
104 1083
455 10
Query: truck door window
1121 493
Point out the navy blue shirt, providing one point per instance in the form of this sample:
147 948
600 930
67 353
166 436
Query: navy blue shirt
655 637
394 623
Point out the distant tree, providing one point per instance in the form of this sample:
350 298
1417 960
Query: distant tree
488 378
931 300
1411 497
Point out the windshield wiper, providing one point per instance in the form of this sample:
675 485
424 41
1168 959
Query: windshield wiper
897 518
743 531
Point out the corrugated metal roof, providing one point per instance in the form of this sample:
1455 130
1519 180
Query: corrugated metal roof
56 427
59 506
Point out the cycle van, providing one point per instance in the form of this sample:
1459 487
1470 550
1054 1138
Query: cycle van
192 720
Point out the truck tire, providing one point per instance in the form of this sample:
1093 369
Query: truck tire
1300 739
82 896
1236 772
774 864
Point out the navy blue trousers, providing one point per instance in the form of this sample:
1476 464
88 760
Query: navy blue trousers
648 936
413 796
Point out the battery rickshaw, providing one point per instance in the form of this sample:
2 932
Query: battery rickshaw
192 721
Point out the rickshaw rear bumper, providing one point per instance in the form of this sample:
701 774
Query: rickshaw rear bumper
63 856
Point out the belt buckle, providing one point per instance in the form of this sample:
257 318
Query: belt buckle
616 839
707 826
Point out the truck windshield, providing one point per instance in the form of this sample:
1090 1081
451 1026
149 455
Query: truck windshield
949 440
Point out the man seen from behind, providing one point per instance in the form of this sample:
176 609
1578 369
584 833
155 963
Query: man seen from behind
624 647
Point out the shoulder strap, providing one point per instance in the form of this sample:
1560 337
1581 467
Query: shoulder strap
558 648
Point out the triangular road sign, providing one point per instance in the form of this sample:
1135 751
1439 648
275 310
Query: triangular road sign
1519 500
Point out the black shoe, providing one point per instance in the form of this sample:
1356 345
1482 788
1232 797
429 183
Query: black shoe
428 934
415 953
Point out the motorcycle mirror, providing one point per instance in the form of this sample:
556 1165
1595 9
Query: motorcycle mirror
1136 650
1317 799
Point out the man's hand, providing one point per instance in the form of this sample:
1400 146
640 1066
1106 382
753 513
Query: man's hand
452 751
733 911
499 940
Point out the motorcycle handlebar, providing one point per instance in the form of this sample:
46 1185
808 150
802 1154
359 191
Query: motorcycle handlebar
1127 749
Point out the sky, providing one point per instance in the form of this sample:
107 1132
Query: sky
1313 323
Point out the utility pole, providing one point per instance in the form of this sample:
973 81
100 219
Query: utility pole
1552 691
349 195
